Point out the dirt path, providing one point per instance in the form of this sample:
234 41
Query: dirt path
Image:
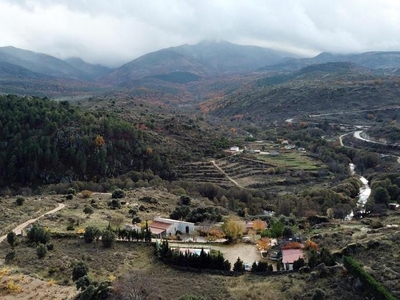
19 228
227 176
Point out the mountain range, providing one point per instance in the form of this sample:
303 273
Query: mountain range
183 73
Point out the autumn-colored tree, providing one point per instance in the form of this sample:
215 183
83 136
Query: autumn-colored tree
99 141
264 244
215 234
310 245
258 225
232 230
233 130
292 245
149 151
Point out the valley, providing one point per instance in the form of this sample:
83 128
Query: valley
250 147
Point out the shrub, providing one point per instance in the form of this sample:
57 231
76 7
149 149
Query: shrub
86 194
11 238
41 251
107 238
80 269
88 210
71 191
180 213
10 257
69 197
38 234
298 264
50 246
238 265
136 219
83 282
70 227
318 294
91 233
260 266
118 193
184 200
114 203
20 201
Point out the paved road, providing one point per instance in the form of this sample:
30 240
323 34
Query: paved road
357 135
341 138
227 176
19 228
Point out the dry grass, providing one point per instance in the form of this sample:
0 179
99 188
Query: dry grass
12 214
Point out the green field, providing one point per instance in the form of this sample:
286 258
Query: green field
293 160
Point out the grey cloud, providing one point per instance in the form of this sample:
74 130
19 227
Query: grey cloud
113 32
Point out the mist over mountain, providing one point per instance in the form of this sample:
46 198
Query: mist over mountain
371 60
183 73
94 71
41 63
207 58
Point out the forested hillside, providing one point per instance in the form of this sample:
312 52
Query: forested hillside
44 141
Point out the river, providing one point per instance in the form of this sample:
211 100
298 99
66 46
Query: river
364 192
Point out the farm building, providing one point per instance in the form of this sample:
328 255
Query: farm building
289 256
163 227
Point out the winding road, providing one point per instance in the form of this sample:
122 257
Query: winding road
18 229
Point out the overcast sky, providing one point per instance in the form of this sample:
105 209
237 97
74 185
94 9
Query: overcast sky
112 32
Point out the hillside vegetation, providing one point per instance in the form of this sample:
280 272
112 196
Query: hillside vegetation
44 141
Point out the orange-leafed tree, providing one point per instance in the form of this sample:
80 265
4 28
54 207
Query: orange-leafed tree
292 245
310 245
258 225
303 124
99 141
264 244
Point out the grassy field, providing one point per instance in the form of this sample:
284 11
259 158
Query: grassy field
293 160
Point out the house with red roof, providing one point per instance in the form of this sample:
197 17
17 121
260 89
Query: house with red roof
163 227
289 256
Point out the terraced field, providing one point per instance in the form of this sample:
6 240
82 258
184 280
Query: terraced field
252 171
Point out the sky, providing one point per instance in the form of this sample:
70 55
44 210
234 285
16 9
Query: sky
113 32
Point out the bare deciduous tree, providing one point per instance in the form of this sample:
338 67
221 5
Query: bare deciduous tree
135 286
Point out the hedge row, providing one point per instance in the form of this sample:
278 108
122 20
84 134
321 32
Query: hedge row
373 287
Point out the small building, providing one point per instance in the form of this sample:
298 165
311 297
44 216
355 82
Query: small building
133 227
289 256
393 206
164 227
235 149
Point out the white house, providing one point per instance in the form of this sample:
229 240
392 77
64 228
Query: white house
164 227
235 149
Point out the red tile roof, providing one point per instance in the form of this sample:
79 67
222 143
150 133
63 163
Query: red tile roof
157 227
291 255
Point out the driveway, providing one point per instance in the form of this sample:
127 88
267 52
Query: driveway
20 227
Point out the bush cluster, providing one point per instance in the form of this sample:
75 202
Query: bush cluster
371 286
